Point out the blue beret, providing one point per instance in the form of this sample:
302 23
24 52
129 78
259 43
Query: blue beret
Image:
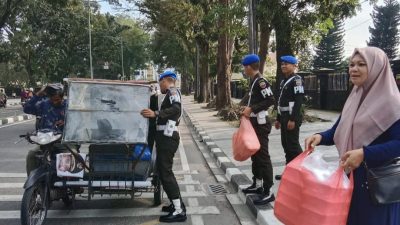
167 73
250 59
289 59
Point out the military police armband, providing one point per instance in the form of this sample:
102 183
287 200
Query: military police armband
298 87
174 96
265 89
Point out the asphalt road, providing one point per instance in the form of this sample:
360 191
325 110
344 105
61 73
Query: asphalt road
193 175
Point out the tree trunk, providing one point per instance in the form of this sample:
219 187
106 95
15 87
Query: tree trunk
204 93
224 63
264 42
185 81
283 29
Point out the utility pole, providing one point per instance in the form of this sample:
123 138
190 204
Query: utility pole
252 24
90 43
122 58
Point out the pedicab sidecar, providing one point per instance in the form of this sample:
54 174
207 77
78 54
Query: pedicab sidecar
105 115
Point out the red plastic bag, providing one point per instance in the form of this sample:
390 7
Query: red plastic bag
244 141
310 193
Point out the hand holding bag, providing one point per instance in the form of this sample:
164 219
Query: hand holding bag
384 182
313 192
245 142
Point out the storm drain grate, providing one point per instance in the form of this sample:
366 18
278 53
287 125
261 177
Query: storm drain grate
217 189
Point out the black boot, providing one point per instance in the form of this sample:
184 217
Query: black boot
170 208
265 198
171 218
252 189
278 177
175 216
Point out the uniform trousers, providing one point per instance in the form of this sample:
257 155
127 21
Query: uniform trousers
166 148
261 161
290 138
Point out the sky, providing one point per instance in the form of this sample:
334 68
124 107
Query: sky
356 28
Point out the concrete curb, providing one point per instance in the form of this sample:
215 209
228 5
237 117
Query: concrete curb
238 180
14 119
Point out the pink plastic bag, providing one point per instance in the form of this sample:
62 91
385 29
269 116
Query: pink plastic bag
244 141
312 193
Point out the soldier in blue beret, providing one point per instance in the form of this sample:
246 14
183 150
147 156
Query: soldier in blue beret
256 104
167 143
289 117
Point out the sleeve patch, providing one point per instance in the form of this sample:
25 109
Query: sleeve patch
299 90
174 96
266 92
299 82
263 84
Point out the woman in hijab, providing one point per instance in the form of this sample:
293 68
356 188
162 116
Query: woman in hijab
367 130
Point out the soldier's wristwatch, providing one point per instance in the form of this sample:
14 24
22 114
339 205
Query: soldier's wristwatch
156 113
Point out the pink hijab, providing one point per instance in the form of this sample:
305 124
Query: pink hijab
371 108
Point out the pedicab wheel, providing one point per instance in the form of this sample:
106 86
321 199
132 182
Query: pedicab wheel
157 191
67 200
33 206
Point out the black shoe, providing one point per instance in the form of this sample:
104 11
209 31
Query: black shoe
171 208
264 199
171 218
168 208
253 190
278 177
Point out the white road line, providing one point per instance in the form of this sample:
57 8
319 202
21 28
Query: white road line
12 175
107 213
193 202
184 161
13 124
17 198
11 185
23 175
196 219
20 185
190 188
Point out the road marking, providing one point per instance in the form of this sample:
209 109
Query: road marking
184 161
20 185
151 222
11 185
23 175
144 195
12 175
196 219
108 213
13 124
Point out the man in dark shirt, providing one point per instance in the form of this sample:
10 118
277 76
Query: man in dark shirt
256 103
290 101
167 143
51 111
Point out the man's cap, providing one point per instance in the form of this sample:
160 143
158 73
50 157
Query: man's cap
167 73
250 59
289 59
55 89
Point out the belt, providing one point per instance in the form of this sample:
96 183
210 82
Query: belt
284 109
162 127
255 115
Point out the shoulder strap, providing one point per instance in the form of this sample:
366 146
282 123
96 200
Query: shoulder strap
251 90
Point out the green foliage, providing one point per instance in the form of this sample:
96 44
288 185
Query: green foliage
385 34
330 49
49 40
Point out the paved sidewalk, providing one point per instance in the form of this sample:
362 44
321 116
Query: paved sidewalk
217 136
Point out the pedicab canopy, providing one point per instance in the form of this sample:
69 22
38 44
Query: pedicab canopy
105 111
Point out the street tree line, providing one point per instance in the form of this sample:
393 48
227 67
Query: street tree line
204 40
45 40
